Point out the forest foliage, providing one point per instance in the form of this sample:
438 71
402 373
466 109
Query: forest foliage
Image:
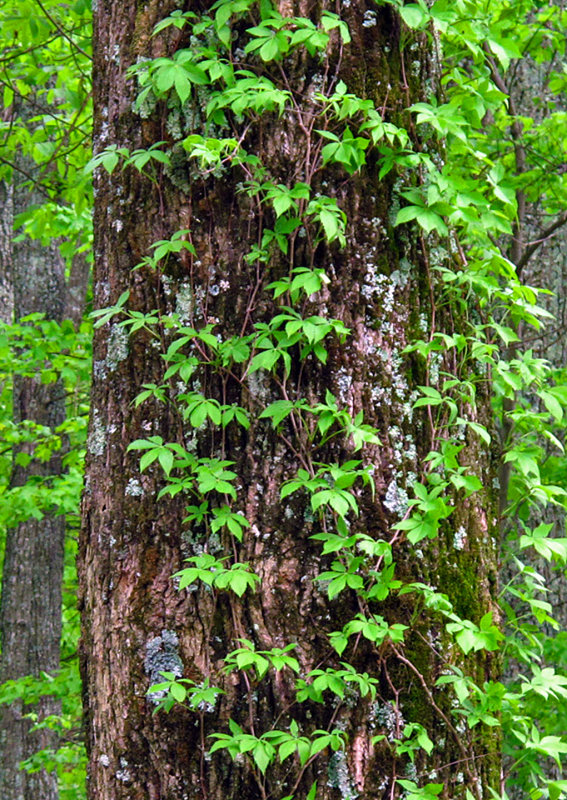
497 193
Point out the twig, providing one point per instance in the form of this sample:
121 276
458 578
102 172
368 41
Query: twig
546 234
62 31
27 175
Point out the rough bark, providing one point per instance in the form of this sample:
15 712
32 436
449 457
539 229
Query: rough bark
135 622
76 289
30 608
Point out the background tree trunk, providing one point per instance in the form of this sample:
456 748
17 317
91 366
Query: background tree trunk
30 608
539 252
135 622
6 233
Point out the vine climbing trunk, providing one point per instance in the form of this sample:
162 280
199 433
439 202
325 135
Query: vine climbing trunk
373 290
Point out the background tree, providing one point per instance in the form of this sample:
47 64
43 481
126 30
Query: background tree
30 611
282 310
42 120
523 150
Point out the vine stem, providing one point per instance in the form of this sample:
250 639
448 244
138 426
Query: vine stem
458 739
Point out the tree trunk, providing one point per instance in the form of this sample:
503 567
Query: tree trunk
76 289
30 609
136 624
6 233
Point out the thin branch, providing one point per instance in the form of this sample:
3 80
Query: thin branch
17 53
41 109
546 234
62 31
458 739
73 125
27 175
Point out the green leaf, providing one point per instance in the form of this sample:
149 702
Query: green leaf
263 755
148 458
312 792
178 692
480 430
278 411
414 16
330 224
165 458
264 360
552 404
